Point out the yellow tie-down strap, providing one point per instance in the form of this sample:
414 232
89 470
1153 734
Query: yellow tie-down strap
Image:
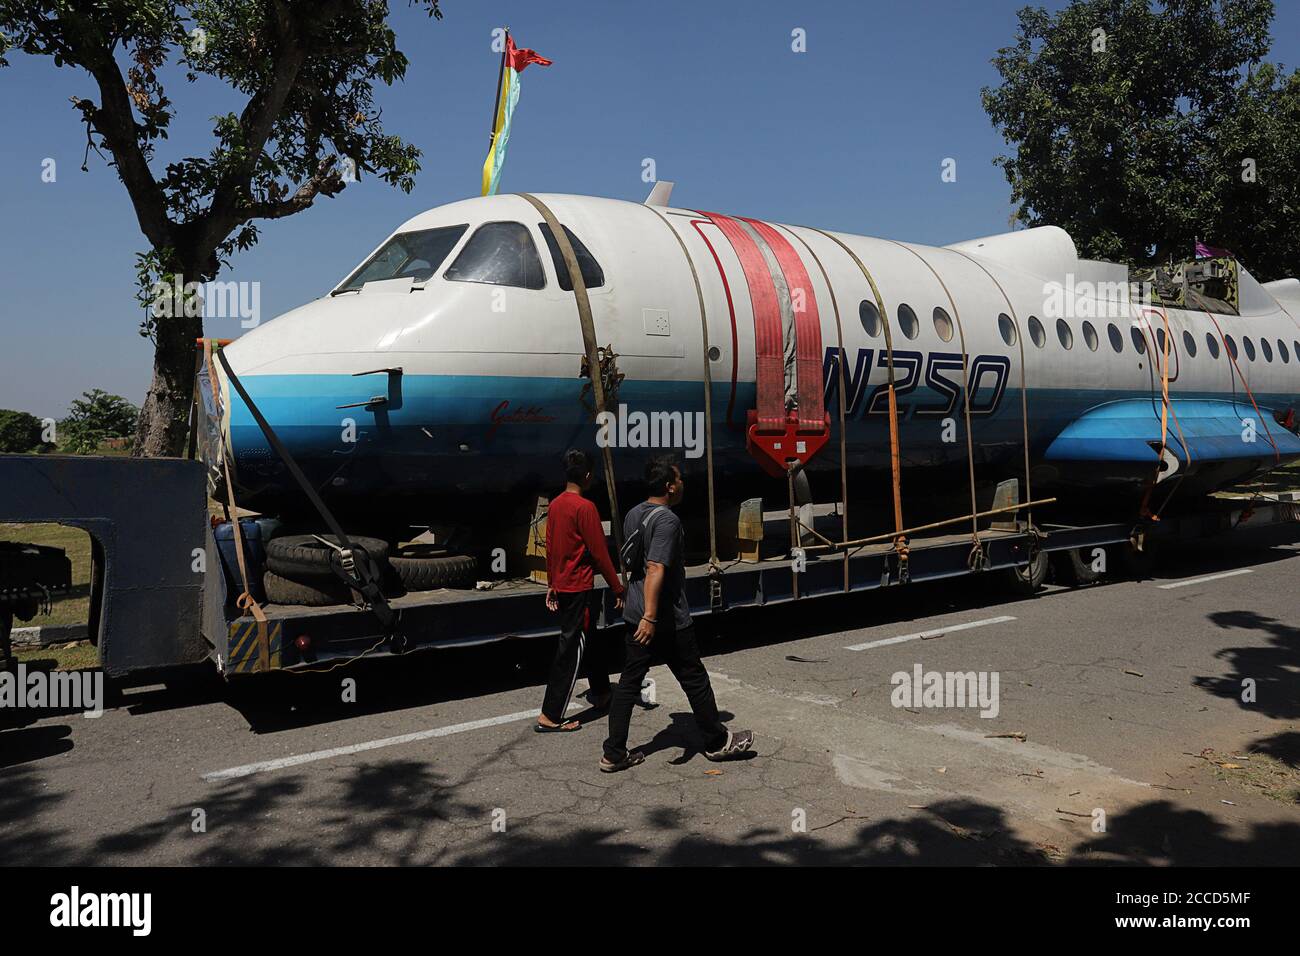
244 656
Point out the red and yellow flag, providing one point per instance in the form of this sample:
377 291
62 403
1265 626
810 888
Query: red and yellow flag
513 61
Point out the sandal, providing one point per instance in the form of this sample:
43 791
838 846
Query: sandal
567 727
633 758
737 744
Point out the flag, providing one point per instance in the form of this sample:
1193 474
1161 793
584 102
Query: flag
1210 252
513 61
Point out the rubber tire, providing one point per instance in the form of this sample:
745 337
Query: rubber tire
1129 563
1029 579
428 568
1073 569
300 557
283 591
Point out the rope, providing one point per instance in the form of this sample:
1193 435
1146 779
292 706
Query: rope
1024 391
714 566
1166 410
245 601
900 540
977 557
593 358
1277 455
839 361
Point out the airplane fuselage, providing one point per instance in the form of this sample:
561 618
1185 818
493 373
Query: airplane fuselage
1010 333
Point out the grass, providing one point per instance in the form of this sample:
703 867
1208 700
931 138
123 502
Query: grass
65 657
71 608
1274 778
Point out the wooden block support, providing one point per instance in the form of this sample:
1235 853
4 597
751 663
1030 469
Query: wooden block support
535 546
749 529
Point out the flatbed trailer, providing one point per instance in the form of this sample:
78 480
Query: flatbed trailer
160 599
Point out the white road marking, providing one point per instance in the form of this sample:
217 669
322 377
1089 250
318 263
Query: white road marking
294 761
1211 577
935 632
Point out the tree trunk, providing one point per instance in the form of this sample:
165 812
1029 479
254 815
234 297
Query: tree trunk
164 418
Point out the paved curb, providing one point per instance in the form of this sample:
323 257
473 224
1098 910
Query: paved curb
47 635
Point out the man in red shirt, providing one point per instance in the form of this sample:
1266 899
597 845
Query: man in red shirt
575 549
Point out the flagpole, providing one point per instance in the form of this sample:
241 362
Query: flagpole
496 100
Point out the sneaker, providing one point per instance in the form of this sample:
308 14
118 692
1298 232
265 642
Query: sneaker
738 742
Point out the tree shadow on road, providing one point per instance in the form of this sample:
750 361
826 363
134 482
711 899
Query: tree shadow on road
403 812
1273 666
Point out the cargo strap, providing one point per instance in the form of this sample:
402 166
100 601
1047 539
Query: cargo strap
715 568
978 559
843 392
1024 402
900 539
789 422
1166 411
593 357
358 575
245 602
1277 455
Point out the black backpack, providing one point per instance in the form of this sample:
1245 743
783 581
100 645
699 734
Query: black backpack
633 550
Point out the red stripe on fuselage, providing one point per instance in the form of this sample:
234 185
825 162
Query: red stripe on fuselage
731 311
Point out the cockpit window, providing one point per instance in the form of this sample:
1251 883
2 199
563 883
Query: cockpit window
593 277
415 255
499 253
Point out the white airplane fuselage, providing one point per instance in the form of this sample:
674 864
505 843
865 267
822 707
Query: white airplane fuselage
488 394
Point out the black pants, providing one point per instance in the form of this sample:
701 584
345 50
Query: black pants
576 647
678 650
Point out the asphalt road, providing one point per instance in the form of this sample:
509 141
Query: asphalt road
1127 694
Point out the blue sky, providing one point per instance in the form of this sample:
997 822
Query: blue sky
849 135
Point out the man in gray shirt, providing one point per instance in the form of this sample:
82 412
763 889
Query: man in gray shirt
659 627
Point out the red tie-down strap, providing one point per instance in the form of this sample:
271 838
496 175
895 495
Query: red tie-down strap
774 437
769 361
808 328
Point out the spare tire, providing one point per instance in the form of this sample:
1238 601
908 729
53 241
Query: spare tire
301 557
283 591
422 567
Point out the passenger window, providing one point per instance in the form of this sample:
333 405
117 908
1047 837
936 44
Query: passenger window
499 253
593 277
1139 340
1189 344
1036 332
1212 344
1116 339
1064 334
1281 350
907 321
1250 347
942 324
1006 328
1266 349
869 316
1090 336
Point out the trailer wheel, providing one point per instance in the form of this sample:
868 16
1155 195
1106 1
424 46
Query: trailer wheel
426 568
1074 567
300 557
1029 578
283 591
1129 562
